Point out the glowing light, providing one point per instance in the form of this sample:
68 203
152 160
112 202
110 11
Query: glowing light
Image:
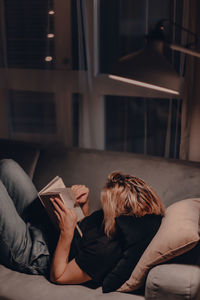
144 84
50 35
48 58
51 12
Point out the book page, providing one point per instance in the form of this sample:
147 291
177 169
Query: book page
55 183
57 188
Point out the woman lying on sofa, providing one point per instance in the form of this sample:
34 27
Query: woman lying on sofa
114 237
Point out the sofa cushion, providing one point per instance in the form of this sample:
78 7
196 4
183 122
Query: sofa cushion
19 286
178 233
173 282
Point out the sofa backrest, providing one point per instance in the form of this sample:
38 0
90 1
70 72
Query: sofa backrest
26 154
173 180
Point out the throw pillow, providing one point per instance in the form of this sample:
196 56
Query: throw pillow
134 234
178 233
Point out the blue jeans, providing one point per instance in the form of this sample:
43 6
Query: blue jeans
23 245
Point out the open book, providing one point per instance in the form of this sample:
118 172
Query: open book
56 188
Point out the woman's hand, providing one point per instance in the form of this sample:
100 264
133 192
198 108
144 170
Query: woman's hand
62 271
66 217
81 193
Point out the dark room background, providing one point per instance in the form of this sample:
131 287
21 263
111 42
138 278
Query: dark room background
55 59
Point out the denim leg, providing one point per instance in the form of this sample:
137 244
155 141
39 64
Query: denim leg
18 184
22 192
22 245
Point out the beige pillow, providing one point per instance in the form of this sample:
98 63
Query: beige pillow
178 233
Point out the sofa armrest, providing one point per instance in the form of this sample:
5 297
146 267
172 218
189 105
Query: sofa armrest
173 282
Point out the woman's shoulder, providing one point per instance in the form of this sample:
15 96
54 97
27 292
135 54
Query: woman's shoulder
97 215
132 228
141 221
94 219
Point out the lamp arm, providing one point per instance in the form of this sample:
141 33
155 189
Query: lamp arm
161 24
180 48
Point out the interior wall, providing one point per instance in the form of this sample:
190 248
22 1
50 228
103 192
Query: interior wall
190 141
4 127
194 145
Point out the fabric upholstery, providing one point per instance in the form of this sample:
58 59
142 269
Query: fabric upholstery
183 282
172 179
178 233
18 286
24 153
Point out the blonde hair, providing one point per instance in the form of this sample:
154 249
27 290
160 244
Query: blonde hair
127 195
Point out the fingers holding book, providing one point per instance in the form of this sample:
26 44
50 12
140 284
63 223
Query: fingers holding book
81 193
62 202
66 217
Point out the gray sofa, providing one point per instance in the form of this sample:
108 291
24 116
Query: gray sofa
173 180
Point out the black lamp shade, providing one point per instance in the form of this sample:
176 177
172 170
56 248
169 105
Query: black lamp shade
148 68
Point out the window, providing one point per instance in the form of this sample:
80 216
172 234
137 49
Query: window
142 125
27 25
32 112
37 34
128 22
79 105
137 124
35 41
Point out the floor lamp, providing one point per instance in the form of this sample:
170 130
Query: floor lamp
149 68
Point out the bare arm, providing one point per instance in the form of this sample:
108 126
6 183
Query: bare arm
62 271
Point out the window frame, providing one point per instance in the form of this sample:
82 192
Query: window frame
65 81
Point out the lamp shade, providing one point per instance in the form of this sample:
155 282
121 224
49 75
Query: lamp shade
148 68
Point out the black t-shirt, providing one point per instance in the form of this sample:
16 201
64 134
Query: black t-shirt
112 258
95 253
135 234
